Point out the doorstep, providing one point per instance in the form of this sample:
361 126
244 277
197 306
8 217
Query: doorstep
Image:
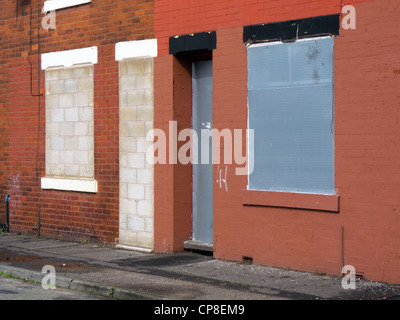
198 245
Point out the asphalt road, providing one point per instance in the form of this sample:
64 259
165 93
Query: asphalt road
16 289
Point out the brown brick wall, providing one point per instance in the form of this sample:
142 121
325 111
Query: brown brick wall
101 23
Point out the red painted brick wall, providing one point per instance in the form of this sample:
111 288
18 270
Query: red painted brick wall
366 231
101 23
192 17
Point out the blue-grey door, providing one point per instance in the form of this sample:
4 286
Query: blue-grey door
203 170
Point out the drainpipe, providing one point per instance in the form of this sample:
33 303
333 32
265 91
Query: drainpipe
8 213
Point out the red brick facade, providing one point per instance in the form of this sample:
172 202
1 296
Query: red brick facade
365 232
101 23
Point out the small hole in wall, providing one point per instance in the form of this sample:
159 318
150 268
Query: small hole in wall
247 260
360 276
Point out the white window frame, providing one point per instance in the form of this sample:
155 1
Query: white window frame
69 58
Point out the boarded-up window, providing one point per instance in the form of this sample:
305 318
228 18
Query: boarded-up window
290 87
69 122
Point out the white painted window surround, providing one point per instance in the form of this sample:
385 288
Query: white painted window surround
51 5
58 61
136 49
69 58
89 186
136 116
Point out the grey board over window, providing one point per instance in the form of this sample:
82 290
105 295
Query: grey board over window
290 95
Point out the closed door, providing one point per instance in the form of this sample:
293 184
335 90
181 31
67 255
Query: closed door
202 171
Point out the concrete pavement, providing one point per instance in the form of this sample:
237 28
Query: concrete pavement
15 289
126 275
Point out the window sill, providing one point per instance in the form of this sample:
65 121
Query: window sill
89 186
318 202
51 5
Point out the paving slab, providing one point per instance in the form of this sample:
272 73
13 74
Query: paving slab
9 239
87 252
41 244
107 254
